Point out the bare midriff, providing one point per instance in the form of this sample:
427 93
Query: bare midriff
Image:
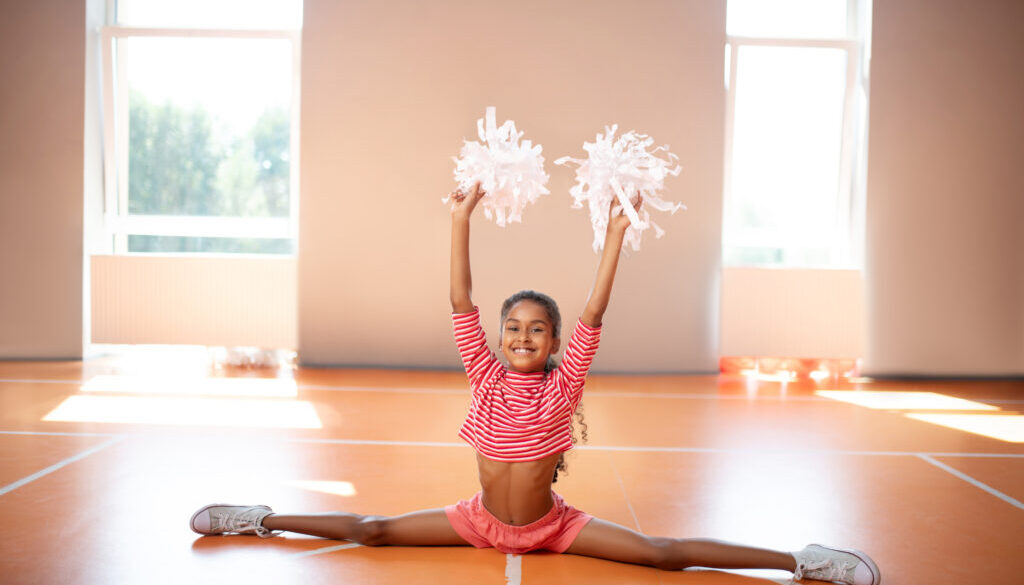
517 493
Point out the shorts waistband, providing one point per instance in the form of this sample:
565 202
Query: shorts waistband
557 504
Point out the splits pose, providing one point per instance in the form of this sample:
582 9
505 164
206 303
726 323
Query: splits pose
520 423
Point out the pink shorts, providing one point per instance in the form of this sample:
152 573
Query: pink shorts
555 531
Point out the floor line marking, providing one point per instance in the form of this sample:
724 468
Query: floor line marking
973 481
609 448
61 434
613 393
380 442
667 449
602 448
622 487
324 550
594 393
17 381
56 466
384 389
513 569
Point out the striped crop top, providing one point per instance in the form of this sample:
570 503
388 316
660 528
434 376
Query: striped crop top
521 417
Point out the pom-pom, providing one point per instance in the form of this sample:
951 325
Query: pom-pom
511 173
613 173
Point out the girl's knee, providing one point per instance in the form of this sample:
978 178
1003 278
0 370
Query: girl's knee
669 554
371 531
663 553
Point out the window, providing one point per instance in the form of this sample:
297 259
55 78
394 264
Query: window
795 133
201 126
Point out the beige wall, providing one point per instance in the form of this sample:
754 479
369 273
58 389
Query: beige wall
42 81
389 90
945 241
193 300
792 313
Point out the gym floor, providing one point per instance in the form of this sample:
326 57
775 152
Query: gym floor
102 463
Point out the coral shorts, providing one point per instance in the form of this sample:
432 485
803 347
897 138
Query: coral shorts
555 531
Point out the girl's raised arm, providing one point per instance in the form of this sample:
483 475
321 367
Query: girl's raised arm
461 278
602 292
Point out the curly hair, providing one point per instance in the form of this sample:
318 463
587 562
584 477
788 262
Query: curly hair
561 465
551 308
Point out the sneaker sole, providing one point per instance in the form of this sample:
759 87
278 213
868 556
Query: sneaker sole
876 575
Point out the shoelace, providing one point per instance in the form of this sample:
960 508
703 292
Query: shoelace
823 570
240 523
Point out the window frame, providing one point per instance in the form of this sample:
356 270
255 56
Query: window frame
850 194
118 223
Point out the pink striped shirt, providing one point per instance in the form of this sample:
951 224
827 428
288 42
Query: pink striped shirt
521 417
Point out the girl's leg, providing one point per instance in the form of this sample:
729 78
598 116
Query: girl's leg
606 540
426 527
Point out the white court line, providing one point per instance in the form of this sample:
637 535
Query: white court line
384 389
613 448
56 466
326 549
16 381
61 434
973 481
380 443
594 393
513 569
625 496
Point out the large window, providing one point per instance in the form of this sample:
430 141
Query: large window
201 125
795 138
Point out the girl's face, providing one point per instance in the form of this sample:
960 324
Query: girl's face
527 337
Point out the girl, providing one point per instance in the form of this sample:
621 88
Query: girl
519 422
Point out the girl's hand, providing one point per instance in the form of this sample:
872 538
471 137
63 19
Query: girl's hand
464 203
619 222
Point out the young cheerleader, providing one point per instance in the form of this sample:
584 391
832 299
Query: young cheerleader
519 422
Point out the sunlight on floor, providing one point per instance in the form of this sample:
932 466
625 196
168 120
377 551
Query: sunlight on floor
337 488
254 387
1004 427
882 400
991 423
164 410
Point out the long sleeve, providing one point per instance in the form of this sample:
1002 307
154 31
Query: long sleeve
579 354
477 358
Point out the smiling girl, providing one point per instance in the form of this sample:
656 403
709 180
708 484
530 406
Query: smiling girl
520 423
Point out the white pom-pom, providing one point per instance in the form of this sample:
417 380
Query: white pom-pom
613 173
511 173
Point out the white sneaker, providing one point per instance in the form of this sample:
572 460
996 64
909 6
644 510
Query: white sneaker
823 563
224 519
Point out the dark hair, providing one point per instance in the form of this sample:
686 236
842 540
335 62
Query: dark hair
551 308
561 465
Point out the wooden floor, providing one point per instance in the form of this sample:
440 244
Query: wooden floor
103 462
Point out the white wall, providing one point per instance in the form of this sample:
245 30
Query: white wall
42 103
390 89
945 242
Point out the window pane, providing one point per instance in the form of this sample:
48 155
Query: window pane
209 126
175 244
248 14
786 146
805 19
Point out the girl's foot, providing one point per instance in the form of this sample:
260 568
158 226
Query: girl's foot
224 519
823 563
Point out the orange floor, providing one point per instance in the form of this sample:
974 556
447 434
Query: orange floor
102 463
